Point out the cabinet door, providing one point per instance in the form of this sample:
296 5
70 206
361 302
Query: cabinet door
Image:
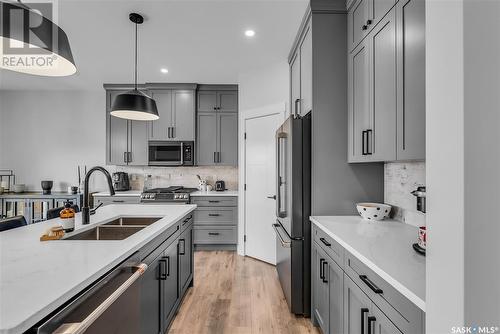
170 292
320 289
207 139
138 143
151 321
381 138
228 139
183 108
357 307
357 19
117 134
306 73
336 294
378 9
295 84
359 102
207 101
380 324
410 20
227 101
185 250
159 129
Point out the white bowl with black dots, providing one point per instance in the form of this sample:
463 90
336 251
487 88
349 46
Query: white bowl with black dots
373 211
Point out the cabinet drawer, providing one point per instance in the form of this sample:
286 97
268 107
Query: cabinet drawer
330 246
211 216
117 200
215 201
215 235
402 312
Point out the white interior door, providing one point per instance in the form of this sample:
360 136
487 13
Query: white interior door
260 178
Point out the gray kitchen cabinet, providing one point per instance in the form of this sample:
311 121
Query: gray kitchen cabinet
207 139
320 309
126 141
357 307
380 323
227 139
372 93
185 253
301 75
207 101
117 199
177 115
411 79
168 277
227 101
218 98
335 278
151 318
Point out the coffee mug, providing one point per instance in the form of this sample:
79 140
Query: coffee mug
422 237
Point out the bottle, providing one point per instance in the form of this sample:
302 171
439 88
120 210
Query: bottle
148 182
67 216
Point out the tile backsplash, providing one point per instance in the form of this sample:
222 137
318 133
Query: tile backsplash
400 179
179 176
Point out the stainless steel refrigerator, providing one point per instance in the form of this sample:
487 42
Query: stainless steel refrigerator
293 208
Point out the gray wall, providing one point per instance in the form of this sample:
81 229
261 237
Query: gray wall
482 162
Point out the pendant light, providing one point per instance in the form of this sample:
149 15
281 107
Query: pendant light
135 105
49 54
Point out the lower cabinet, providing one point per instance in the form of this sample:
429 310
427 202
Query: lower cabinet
169 274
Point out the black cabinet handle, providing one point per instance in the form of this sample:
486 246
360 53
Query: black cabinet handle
215 157
213 233
163 269
296 107
213 201
183 252
364 27
125 157
324 272
368 148
173 132
370 320
370 284
213 215
166 259
363 311
118 201
321 268
368 22
326 243
363 149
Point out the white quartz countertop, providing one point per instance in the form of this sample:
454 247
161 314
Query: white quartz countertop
37 277
137 193
385 247
215 193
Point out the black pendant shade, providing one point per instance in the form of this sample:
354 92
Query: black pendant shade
42 50
135 105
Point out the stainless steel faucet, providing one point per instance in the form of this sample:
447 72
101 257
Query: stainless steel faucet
86 194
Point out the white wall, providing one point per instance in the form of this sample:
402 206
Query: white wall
46 135
257 88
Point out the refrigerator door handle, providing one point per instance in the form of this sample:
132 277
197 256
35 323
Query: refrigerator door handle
284 243
280 211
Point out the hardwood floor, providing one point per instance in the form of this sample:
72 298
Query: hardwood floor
235 294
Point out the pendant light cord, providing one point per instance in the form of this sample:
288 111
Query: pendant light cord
135 85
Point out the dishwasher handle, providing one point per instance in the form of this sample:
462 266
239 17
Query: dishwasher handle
81 327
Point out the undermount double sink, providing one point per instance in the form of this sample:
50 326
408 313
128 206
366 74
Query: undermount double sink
118 229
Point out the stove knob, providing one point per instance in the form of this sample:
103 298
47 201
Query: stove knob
176 196
186 196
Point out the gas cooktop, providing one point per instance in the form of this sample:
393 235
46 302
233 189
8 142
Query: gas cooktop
172 194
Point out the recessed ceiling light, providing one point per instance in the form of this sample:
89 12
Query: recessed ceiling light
164 70
249 33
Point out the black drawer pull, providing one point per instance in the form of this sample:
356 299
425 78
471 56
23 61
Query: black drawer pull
363 311
183 252
213 233
326 243
370 284
321 268
118 201
163 269
324 272
213 201
370 320
213 215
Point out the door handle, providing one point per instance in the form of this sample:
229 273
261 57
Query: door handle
173 132
364 27
363 149
183 252
213 215
369 134
324 272
326 243
213 201
284 243
213 233
125 157
321 268
272 197
364 310
215 157
163 269
370 284
167 259
370 320
297 101
129 157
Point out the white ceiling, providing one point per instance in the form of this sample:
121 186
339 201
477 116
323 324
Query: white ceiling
197 40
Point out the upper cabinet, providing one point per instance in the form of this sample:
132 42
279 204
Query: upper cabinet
301 75
217 131
386 82
176 107
126 141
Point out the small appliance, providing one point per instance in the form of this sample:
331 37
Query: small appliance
121 181
220 185
47 187
171 153
173 194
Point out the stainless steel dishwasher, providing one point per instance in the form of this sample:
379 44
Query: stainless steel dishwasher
110 305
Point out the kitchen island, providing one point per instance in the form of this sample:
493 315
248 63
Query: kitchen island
52 272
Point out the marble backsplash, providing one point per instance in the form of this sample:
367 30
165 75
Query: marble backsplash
400 179
183 176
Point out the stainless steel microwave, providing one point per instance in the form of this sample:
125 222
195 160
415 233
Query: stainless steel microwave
171 153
